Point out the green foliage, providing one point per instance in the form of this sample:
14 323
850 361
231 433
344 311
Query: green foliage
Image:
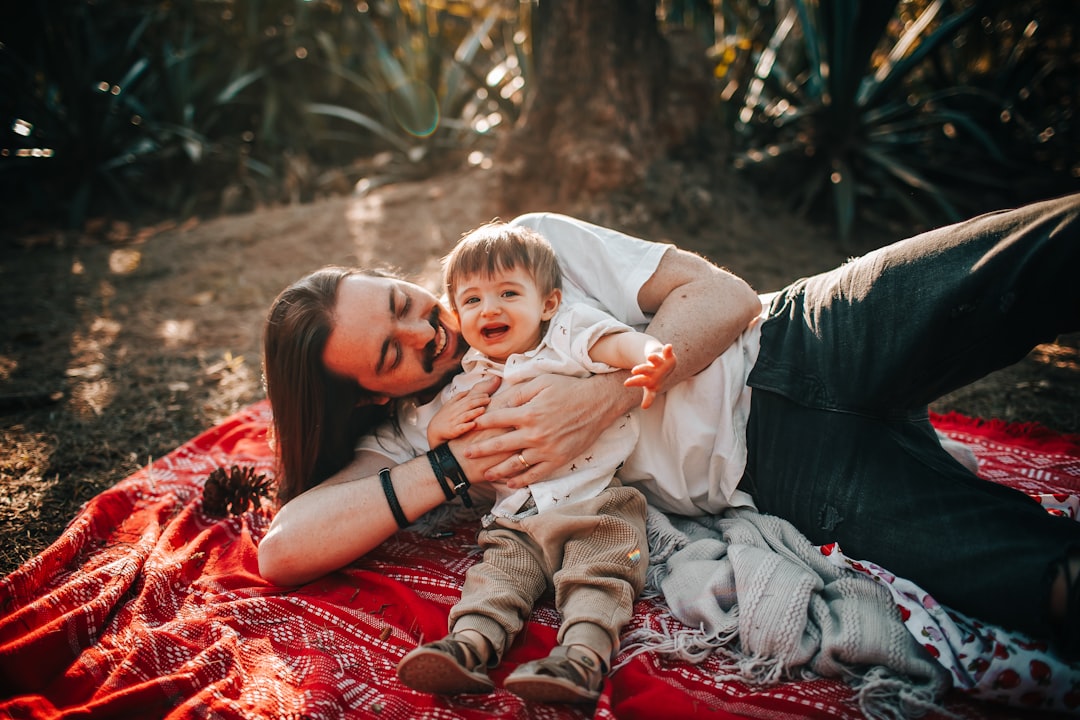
924 110
918 110
119 106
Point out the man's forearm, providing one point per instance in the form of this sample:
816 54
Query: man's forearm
611 398
697 343
340 520
698 308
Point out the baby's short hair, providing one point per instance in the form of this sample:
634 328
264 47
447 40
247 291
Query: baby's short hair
499 246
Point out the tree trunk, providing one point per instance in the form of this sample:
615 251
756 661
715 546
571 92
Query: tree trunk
599 112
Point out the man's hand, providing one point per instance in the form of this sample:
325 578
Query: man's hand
651 374
547 421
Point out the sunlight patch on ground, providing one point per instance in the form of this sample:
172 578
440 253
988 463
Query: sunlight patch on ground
105 330
362 215
426 235
124 261
95 396
176 332
235 380
92 391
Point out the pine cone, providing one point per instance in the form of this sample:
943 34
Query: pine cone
233 492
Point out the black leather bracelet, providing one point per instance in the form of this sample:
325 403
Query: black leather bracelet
436 467
453 473
391 498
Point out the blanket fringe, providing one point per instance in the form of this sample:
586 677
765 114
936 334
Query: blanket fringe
695 645
882 694
754 670
692 645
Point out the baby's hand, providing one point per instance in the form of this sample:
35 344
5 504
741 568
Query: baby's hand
458 415
650 375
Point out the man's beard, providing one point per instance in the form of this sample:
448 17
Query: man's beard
428 362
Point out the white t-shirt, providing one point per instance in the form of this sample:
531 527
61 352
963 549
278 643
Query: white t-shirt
564 350
691 451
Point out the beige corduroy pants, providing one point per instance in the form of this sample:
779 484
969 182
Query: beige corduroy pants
592 553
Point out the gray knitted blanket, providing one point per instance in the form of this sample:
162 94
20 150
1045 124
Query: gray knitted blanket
758 593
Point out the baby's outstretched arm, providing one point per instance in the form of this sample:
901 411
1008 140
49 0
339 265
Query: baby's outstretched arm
626 350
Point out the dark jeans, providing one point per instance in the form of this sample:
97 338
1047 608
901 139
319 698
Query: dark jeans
839 439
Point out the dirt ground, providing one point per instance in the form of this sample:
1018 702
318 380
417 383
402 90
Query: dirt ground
117 344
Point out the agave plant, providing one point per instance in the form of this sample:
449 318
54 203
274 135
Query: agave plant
868 102
431 75
76 75
129 105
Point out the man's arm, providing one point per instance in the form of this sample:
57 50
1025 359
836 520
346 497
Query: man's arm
345 516
698 308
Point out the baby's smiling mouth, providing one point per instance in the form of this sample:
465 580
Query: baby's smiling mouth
494 332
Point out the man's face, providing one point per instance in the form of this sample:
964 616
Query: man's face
393 337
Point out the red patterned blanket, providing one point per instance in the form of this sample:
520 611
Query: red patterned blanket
149 607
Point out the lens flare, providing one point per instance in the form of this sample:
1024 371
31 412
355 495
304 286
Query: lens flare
415 108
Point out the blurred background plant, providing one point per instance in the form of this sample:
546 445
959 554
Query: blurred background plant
887 111
918 110
194 106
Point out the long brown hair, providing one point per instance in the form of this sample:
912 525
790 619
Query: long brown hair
316 417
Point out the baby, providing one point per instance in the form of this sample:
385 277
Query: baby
580 532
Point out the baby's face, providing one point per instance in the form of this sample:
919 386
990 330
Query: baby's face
502 314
